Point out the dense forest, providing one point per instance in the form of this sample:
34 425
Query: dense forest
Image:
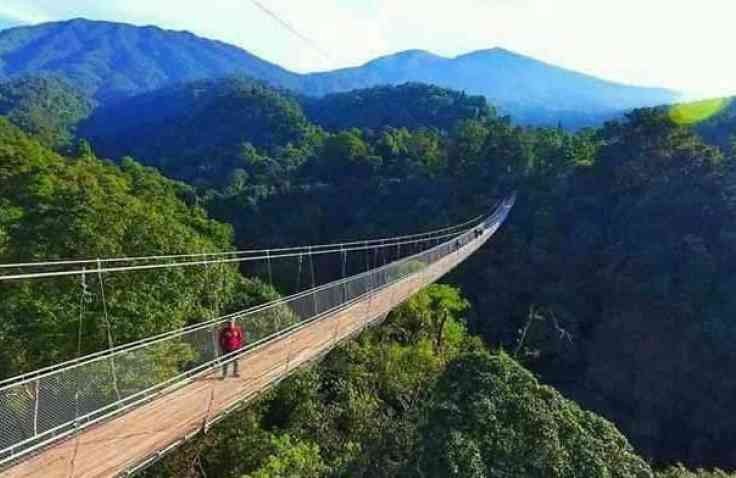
45 107
611 281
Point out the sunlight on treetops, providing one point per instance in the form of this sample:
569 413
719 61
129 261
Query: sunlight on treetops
695 112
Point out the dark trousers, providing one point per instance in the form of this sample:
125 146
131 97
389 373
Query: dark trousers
234 363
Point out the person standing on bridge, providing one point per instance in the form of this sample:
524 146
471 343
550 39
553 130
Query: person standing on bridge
231 340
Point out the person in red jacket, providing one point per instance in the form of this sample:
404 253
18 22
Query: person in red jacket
232 338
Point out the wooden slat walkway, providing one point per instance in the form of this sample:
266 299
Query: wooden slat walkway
121 444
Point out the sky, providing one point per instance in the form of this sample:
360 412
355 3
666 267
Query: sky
686 45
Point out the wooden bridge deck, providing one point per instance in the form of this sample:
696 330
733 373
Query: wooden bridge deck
120 445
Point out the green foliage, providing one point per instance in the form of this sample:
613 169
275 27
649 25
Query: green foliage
490 417
205 131
411 105
291 459
626 257
44 107
53 207
431 314
347 157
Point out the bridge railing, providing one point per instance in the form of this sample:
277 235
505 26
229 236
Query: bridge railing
40 409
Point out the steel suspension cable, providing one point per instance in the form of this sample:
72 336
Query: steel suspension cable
71 262
311 267
299 273
82 298
207 260
108 325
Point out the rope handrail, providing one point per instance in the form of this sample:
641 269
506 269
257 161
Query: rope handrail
74 262
236 259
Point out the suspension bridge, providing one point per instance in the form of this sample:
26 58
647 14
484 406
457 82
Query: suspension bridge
114 412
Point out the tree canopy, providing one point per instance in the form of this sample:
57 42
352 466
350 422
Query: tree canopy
54 207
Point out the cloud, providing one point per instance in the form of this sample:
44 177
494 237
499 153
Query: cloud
21 12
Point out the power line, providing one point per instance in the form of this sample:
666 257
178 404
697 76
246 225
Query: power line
291 29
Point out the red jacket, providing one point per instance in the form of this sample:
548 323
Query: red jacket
231 338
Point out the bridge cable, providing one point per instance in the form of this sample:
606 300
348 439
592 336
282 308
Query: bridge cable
108 325
213 307
344 257
369 278
208 259
270 273
83 297
299 273
314 292
68 262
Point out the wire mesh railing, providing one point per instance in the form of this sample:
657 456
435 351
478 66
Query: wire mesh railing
39 409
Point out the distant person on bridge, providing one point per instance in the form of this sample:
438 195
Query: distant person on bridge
231 340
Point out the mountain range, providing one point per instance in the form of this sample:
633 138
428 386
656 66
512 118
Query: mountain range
110 61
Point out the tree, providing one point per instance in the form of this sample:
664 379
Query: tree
346 156
291 459
433 313
59 208
490 417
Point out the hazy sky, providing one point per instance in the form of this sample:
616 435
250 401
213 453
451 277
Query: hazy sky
681 44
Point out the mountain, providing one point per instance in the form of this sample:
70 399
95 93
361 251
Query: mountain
531 91
201 130
112 60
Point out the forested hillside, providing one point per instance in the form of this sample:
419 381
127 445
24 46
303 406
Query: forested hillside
202 131
54 207
410 105
611 280
45 107
532 92
111 61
